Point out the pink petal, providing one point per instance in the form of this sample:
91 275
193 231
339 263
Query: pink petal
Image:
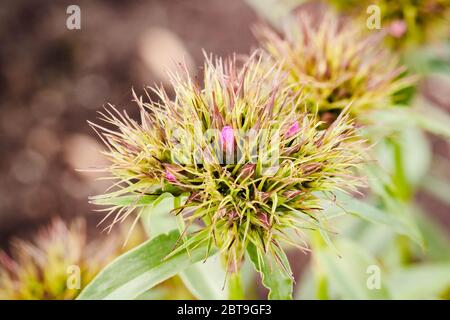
294 128
227 138
263 218
170 177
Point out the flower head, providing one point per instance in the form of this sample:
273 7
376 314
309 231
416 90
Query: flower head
270 183
40 269
409 22
335 64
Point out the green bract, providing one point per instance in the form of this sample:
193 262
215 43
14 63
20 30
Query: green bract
409 23
252 165
335 63
58 262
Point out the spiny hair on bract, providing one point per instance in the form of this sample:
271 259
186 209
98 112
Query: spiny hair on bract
335 63
241 149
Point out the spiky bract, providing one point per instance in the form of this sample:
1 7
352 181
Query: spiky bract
335 63
58 262
409 23
251 163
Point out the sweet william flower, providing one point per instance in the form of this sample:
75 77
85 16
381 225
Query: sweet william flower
335 64
281 163
410 23
40 268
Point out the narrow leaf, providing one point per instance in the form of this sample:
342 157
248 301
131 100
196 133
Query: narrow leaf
205 279
426 281
275 279
349 275
396 222
142 268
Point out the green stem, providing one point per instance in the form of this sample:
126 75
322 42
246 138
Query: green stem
403 188
235 289
321 286
320 278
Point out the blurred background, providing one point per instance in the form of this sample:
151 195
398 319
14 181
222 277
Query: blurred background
52 80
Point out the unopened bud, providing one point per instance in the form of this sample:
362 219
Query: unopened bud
227 138
397 28
170 177
263 218
247 170
293 129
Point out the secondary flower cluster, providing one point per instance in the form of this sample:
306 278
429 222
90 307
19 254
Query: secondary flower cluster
58 262
243 148
335 63
408 22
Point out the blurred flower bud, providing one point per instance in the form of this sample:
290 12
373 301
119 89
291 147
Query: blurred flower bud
170 177
293 129
227 138
397 28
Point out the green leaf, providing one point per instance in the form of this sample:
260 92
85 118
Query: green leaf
349 274
436 122
436 238
204 279
279 283
404 152
142 268
157 217
370 213
415 154
274 11
429 59
422 115
123 201
438 187
426 281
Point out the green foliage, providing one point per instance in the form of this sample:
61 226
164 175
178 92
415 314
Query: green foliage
142 268
424 281
279 281
348 274
204 279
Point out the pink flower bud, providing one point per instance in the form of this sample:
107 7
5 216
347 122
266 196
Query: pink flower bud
170 177
293 129
397 28
290 194
263 218
247 170
227 138
262 196
232 215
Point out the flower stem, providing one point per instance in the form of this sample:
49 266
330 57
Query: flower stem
320 277
235 289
